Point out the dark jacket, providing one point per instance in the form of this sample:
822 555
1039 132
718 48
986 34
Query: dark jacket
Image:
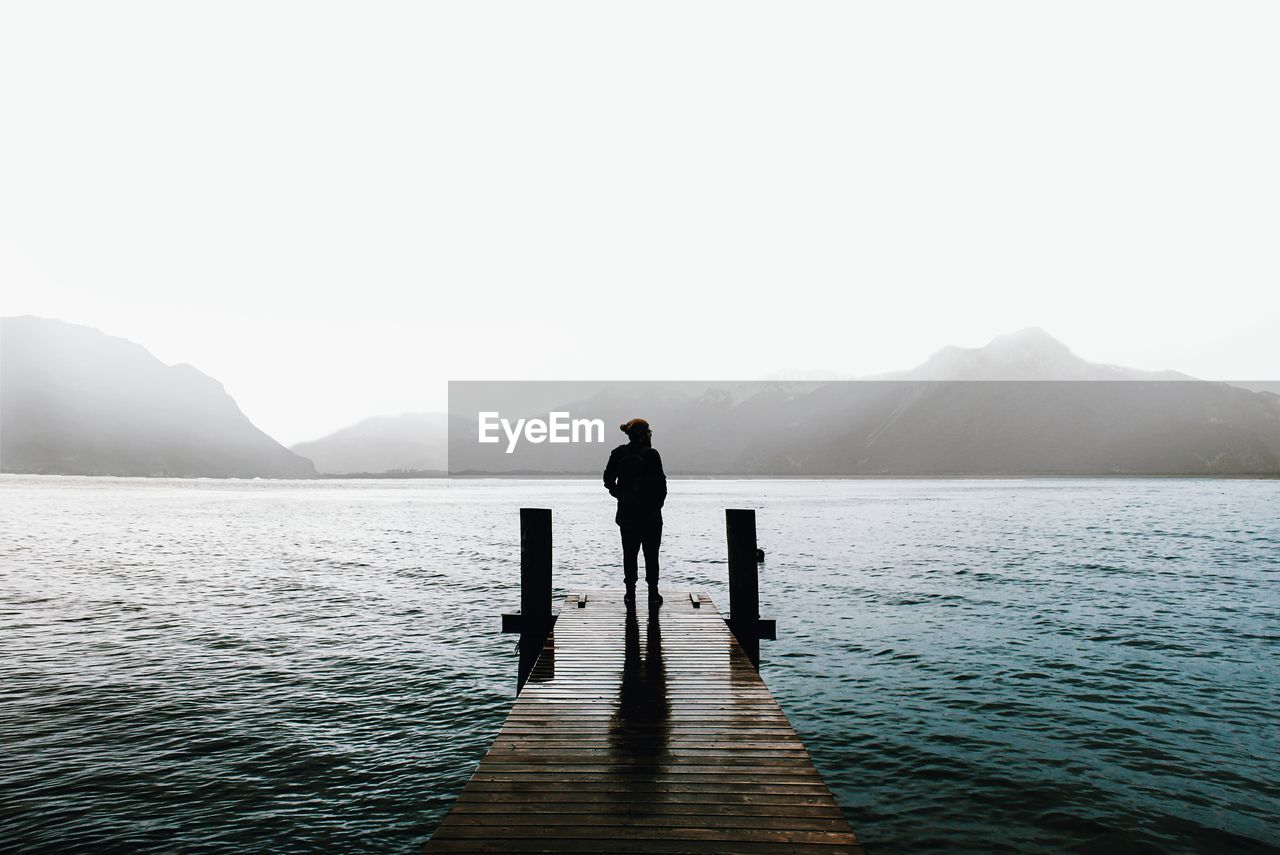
635 478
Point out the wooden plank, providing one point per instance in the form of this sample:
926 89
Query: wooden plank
645 732
714 787
690 831
616 845
571 802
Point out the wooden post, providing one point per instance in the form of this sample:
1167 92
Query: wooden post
744 580
535 619
535 568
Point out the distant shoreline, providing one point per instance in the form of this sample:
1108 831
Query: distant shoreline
680 476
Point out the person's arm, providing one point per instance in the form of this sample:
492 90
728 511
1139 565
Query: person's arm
611 473
660 479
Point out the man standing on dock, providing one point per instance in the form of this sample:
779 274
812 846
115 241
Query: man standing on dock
635 478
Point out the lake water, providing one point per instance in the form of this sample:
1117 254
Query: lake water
1022 666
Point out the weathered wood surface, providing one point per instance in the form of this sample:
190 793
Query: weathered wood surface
643 731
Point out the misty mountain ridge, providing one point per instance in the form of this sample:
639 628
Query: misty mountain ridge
1023 405
1028 354
76 401
914 428
928 420
408 442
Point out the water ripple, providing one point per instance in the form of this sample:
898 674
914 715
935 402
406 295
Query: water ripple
974 666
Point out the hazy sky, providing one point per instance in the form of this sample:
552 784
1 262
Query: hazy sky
334 208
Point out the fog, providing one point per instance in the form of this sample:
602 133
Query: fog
335 209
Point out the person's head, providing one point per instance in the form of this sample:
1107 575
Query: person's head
637 430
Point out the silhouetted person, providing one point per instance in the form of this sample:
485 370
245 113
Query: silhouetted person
635 478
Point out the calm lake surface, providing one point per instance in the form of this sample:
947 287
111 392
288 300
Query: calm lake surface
1021 666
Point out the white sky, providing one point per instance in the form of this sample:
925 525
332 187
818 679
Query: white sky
334 208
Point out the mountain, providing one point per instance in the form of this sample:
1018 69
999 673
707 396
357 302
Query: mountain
1028 354
1028 429
414 442
75 401
1022 406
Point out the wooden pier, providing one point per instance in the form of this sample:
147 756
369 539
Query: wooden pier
644 730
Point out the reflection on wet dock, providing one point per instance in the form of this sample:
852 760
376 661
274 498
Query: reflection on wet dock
644 730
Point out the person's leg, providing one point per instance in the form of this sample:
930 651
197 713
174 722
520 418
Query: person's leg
631 541
652 542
